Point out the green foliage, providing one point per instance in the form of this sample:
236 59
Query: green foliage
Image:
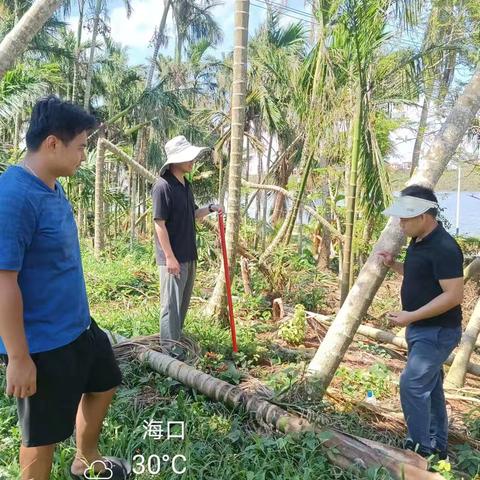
297 277
376 350
468 459
356 382
293 331
472 422
214 436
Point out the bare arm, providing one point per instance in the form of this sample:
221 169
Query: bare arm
162 234
451 297
21 371
201 213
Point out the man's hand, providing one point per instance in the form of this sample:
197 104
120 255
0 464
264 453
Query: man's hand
21 377
386 258
173 267
401 319
217 208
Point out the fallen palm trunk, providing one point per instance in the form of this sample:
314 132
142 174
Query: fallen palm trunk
381 336
344 450
388 337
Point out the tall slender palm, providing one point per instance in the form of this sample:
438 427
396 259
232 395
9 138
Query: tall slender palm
78 45
239 87
99 11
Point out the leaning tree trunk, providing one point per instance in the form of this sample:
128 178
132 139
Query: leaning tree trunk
458 370
143 135
18 39
88 81
217 301
340 334
472 270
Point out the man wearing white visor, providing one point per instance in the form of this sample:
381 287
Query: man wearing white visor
174 213
431 294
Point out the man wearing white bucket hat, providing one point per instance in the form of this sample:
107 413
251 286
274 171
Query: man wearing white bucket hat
431 293
174 213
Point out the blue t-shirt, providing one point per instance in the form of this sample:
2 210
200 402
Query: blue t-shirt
38 239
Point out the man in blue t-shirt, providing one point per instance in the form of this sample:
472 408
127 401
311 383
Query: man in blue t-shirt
432 293
60 364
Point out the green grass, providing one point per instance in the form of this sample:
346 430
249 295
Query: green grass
219 443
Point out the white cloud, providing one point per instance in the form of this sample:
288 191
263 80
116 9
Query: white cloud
136 31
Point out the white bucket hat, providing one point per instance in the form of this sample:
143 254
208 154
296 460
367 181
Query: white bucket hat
409 207
180 150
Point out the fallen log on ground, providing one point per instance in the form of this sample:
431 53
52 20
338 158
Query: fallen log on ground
382 337
345 451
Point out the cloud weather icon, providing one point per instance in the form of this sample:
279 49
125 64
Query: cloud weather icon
104 474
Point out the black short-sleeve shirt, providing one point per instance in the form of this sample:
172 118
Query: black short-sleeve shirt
436 257
174 203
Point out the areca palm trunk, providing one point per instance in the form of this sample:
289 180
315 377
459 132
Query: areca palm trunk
218 299
76 63
422 128
88 82
158 43
265 196
298 199
458 370
351 199
99 237
339 336
143 135
18 39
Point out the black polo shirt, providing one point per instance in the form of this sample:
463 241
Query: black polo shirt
436 257
174 203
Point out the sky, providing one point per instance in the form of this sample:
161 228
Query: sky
137 31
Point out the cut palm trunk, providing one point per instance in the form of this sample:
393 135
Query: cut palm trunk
458 370
341 332
345 451
386 337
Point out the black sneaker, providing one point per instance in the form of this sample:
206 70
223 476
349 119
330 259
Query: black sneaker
441 454
415 447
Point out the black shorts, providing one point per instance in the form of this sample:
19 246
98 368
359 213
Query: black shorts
64 374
